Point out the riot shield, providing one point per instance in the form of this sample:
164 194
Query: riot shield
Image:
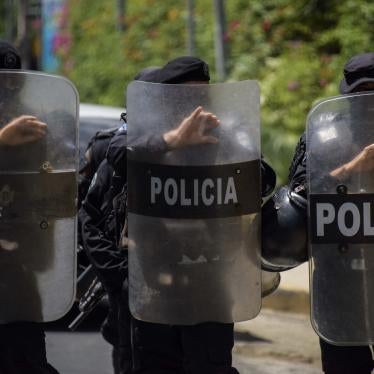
194 212
38 178
341 185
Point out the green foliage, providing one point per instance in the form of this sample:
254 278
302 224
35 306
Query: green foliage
94 61
295 49
2 17
103 60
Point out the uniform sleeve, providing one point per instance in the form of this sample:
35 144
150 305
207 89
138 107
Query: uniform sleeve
98 240
150 144
146 145
142 145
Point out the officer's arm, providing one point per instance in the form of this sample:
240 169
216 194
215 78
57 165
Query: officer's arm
363 162
193 130
23 129
100 247
284 219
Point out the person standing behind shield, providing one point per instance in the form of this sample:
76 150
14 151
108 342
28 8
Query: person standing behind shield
205 347
284 222
100 238
22 344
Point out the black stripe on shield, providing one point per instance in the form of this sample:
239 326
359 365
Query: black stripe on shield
342 218
194 191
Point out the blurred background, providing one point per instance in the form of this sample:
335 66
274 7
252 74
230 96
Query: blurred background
295 49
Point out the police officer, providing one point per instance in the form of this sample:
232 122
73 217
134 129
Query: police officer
205 347
159 348
285 223
97 235
100 216
105 163
22 344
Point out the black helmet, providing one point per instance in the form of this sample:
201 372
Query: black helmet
284 231
9 57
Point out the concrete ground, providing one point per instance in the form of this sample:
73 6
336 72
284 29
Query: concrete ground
270 366
292 294
279 341
278 336
297 279
273 343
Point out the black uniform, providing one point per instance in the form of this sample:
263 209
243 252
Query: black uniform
99 235
22 349
335 359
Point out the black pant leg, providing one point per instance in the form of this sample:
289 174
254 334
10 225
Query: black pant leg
110 329
22 349
124 327
207 348
346 360
156 348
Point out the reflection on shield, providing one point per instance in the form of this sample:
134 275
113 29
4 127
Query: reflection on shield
194 212
341 194
38 200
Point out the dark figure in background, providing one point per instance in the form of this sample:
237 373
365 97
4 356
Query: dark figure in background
100 234
100 195
358 77
22 344
156 348
90 161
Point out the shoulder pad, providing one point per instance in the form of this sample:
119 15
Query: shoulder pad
103 134
100 135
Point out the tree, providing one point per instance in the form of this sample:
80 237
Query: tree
296 50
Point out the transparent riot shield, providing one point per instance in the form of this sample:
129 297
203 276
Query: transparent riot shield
340 138
194 211
37 196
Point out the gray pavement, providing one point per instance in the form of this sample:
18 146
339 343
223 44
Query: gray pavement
273 343
279 341
296 279
286 337
79 353
269 366
293 292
